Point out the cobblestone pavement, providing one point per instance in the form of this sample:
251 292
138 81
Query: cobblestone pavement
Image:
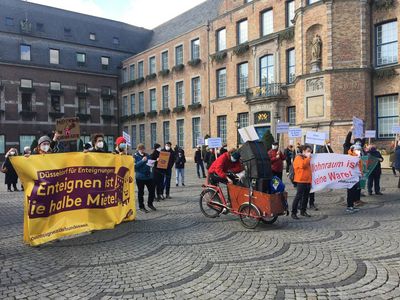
177 253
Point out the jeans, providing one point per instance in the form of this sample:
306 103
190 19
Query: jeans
303 191
150 188
353 194
199 166
374 180
167 181
180 173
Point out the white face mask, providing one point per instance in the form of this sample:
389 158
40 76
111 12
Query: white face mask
233 159
167 148
141 152
159 149
12 153
45 148
274 147
358 152
100 145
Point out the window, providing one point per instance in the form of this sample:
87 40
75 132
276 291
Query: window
221 128
142 137
125 105
67 31
179 55
26 102
243 119
243 75
166 132
3 144
115 41
82 106
26 83
291 115
140 69
25 141
55 86
290 12
242 32
153 100
221 83
153 133
291 65
133 104
54 56
25 52
165 97
196 90
179 93
132 72
107 110
141 102
266 70
312 1
195 47
109 140
55 103
105 61
124 75
267 22
92 36
386 44
388 115
81 88
164 61
80 58
9 21
221 39
152 65
180 133
196 131
39 27
133 137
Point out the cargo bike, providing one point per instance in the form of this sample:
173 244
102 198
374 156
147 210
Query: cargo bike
251 203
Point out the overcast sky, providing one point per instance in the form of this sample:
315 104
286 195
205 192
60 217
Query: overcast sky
143 13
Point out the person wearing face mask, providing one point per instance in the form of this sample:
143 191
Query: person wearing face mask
354 194
277 158
180 167
303 179
11 178
168 171
98 144
144 178
375 176
158 174
223 150
347 144
121 146
227 162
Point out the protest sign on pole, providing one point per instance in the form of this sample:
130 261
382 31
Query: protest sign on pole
200 141
370 134
334 171
295 132
396 129
72 193
68 128
127 137
282 127
214 142
358 128
315 138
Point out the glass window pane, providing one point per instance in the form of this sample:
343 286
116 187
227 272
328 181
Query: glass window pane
221 83
164 60
165 96
166 132
133 137
290 13
196 131
25 52
141 102
267 20
105 60
142 137
387 43
243 122
132 72
152 65
243 74
388 115
133 104
25 141
153 133
242 32
221 39
140 69
195 49
153 100
196 92
179 55
221 128
179 93
180 129
54 56
267 70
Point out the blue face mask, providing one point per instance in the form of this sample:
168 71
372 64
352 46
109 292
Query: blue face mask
122 146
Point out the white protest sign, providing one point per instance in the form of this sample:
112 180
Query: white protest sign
358 130
214 142
315 138
370 134
334 171
282 127
295 132
200 141
248 133
127 137
396 129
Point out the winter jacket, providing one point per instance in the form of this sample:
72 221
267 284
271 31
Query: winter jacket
397 158
154 156
180 162
276 163
378 168
142 170
11 176
223 164
197 157
209 159
347 144
288 154
302 169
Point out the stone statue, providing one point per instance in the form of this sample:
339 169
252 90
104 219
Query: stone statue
316 48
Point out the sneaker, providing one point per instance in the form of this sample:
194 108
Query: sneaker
152 207
294 216
352 210
143 209
305 214
379 194
314 207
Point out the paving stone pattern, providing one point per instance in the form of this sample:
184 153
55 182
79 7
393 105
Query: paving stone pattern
177 253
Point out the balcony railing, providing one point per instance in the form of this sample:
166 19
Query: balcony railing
269 91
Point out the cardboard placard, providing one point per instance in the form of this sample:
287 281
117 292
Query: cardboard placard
127 137
315 138
163 160
358 130
295 132
214 142
69 128
370 134
282 127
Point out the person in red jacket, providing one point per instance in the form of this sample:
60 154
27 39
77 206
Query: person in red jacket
277 158
227 162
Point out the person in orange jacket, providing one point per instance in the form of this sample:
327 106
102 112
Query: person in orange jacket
303 179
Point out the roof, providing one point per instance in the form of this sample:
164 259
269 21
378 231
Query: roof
186 22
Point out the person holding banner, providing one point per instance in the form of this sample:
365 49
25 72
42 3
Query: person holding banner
354 193
375 176
121 146
277 158
303 179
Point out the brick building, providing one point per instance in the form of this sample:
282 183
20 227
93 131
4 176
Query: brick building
312 63
55 63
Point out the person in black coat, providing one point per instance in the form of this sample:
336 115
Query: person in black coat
168 171
199 162
180 167
375 176
158 174
11 178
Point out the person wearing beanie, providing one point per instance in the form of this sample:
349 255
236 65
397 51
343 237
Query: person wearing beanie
44 146
121 146
168 171
158 174
227 162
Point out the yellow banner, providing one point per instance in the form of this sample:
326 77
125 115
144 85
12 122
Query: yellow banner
71 193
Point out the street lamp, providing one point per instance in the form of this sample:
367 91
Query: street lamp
237 123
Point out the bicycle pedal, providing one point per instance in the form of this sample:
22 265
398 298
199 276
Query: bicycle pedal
224 211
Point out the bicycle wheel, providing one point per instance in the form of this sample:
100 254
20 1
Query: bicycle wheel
249 216
208 209
269 220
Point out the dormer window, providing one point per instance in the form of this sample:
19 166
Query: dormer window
92 36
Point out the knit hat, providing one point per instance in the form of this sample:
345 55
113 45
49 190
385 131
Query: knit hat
236 155
356 147
156 146
120 140
43 139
